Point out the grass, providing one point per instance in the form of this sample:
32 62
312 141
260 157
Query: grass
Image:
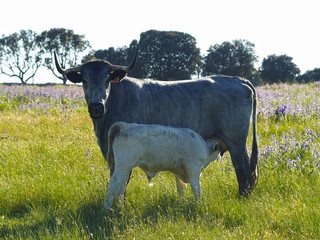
54 179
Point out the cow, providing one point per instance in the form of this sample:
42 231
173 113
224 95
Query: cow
156 148
216 106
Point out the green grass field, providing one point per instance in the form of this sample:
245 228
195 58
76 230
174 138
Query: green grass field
53 178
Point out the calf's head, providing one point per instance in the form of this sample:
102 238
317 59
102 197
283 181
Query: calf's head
214 148
95 77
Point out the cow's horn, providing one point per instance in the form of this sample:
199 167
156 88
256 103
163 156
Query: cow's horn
128 68
64 71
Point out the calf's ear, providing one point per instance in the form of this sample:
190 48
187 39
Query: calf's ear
117 75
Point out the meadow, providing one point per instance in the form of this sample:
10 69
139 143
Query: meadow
53 178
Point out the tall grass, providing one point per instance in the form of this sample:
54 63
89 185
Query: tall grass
53 178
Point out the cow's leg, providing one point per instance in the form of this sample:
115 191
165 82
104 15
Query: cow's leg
117 186
195 184
181 186
240 161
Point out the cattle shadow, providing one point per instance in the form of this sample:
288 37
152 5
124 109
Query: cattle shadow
17 232
97 222
170 206
90 219
87 221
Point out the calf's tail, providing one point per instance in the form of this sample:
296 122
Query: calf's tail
112 133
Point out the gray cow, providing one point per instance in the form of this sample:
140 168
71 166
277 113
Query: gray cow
156 148
216 106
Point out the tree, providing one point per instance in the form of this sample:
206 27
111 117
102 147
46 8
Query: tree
115 56
278 69
310 76
20 55
119 56
234 58
66 44
166 56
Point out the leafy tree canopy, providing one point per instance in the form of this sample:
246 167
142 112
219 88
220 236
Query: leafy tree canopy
278 68
66 44
167 55
234 58
115 56
20 55
310 76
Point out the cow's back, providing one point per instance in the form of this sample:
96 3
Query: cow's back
215 106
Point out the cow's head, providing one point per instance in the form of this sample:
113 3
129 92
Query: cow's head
95 77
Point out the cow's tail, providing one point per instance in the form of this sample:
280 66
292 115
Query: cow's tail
112 133
254 166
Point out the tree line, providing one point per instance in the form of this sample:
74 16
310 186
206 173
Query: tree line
163 55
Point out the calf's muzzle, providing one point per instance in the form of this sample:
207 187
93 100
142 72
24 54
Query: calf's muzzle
96 110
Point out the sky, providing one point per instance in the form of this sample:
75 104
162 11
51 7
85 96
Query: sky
275 26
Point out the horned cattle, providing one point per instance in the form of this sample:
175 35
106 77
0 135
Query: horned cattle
216 106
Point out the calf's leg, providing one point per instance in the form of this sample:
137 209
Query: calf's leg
117 186
181 186
195 185
124 194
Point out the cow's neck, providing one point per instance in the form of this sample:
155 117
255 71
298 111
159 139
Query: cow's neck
102 126
99 129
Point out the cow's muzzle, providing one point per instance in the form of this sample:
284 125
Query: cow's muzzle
96 110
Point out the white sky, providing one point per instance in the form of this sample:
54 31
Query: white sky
274 26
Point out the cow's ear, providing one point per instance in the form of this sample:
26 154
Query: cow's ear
74 77
117 75
215 147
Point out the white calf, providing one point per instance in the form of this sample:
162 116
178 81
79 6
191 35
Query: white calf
156 148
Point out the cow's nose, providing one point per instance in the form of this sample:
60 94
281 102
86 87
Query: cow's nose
96 110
